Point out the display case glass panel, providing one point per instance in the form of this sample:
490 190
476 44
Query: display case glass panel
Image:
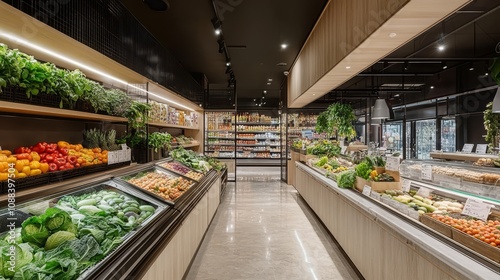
448 135
393 136
425 138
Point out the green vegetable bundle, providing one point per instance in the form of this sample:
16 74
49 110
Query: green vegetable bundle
346 179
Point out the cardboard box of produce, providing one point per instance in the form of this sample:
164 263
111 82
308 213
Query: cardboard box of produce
380 186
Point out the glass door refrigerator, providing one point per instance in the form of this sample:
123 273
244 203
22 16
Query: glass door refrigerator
392 136
425 138
448 135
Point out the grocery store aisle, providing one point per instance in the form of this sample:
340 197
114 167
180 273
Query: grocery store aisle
262 230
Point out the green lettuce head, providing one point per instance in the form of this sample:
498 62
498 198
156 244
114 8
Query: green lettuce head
57 220
34 231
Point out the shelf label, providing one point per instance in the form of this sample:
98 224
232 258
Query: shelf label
375 195
392 164
112 157
481 149
426 172
344 149
413 214
385 200
406 185
468 148
477 209
423 192
367 190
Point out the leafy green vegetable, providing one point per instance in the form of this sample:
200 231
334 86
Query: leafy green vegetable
90 210
98 234
34 231
363 169
58 238
322 161
56 220
346 179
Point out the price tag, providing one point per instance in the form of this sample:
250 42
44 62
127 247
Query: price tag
477 209
426 172
403 208
124 146
392 164
468 148
413 214
112 157
367 190
385 200
423 192
344 149
375 195
481 149
406 185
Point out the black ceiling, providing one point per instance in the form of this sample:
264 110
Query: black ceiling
253 31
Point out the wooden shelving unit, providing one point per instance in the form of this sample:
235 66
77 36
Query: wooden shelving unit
159 124
27 109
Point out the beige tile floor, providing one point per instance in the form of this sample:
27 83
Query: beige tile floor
263 230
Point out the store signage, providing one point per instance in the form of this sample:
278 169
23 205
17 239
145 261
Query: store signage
468 148
367 190
426 172
375 195
406 185
481 149
477 209
423 192
392 164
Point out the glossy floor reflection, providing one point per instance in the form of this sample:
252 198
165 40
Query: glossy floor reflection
262 230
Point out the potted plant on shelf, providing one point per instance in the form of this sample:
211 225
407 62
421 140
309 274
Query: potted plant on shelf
137 115
158 141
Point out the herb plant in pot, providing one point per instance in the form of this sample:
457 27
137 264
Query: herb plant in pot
158 141
338 118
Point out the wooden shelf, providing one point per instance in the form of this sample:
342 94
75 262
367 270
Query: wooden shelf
28 109
186 145
159 124
460 156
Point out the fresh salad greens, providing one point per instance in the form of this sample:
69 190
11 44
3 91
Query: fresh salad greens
191 159
324 148
346 179
68 238
364 169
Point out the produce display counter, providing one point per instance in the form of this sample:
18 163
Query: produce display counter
460 156
164 233
383 243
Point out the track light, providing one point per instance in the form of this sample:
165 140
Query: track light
229 70
228 63
222 45
217 25
444 65
406 66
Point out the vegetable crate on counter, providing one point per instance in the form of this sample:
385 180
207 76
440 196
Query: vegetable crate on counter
380 186
471 236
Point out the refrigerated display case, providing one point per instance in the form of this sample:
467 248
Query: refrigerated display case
393 136
425 138
448 135
80 231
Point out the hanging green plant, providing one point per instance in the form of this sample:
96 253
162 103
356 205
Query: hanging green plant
157 140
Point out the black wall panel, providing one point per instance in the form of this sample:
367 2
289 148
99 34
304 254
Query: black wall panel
109 28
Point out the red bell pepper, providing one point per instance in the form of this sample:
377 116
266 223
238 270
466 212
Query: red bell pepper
43 161
24 156
51 148
69 165
42 156
72 159
63 151
22 150
60 161
49 158
39 148
53 167
77 165
62 167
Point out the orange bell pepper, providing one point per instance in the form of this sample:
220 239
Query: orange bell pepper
62 144
26 170
35 156
44 167
5 152
4 176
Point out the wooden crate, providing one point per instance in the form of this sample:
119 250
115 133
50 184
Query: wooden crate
476 245
380 186
436 225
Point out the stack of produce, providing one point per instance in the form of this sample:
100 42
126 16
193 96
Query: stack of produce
46 157
191 159
488 232
324 148
183 170
330 165
432 204
164 185
367 170
79 231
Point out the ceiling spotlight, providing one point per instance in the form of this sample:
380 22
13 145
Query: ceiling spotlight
260 105
406 66
268 84
263 97
221 45
217 25
228 63
201 105
314 94
392 35
444 65
264 102
269 80
486 74
265 91
471 69
432 87
254 99
348 67
284 46
441 48
218 31
157 5
397 95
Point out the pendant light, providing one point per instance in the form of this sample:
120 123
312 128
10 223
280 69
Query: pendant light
376 121
381 110
496 102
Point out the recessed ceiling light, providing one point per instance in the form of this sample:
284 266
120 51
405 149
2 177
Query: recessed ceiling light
263 97
217 31
392 35
348 67
486 74
254 99
228 63
269 80
471 69
397 95
268 84
441 48
201 105
432 87
314 94
265 91
284 46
